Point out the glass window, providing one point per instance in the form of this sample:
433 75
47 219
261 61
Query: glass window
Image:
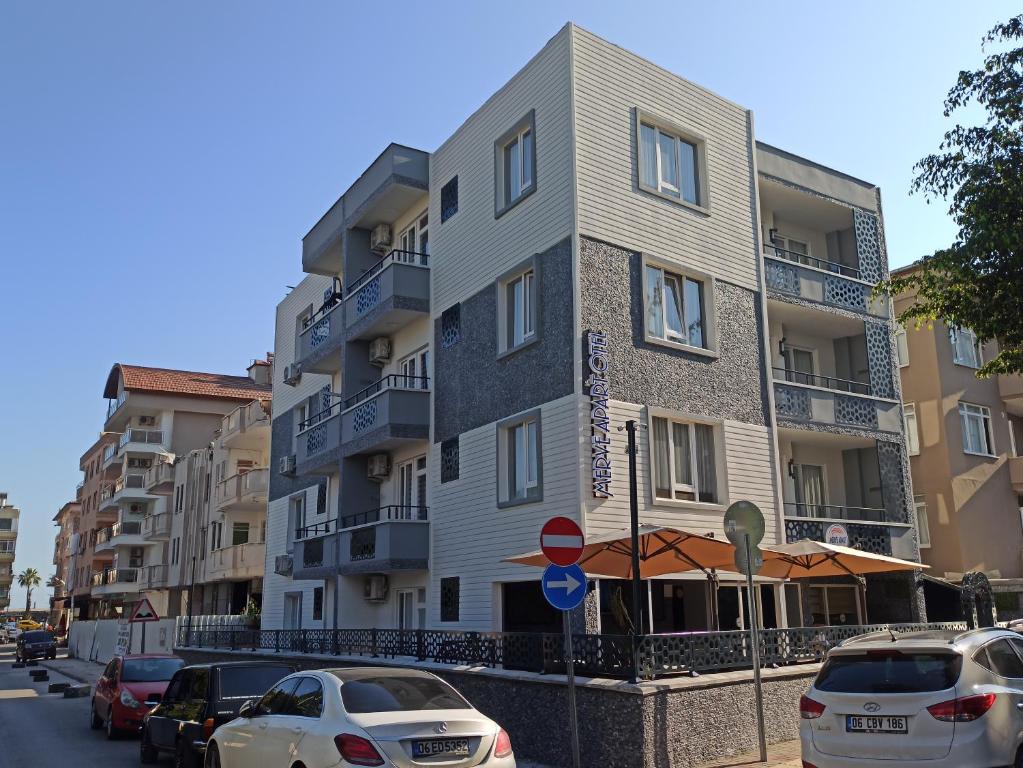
150 670
240 534
675 307
519 158
889 672
923 525
901 345
966 349
668 164
1002 659
523 458
307 701
684 461
278 700
910 425
976 424
399 693
520 300
317 603
246 682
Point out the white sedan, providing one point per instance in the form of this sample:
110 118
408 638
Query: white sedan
360 716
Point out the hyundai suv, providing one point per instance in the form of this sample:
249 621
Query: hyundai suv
941 699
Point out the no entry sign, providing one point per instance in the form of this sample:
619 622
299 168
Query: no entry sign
561 540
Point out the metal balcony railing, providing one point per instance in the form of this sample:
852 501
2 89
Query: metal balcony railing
394 257
825 382
389 512
834 511
393 381
122 576
149 436
810 261
126 528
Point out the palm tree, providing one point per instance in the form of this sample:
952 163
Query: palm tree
30 579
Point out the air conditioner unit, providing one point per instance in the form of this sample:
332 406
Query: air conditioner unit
374 588
292 374
147 421
380 351
378 466
136 509
140 463
287 465
380 238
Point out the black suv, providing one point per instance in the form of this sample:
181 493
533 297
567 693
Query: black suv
200 698
35 643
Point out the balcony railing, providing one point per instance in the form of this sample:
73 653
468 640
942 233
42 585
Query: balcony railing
113 405
247 486
237 560
129 481
316 529
109 453
810 261
320 416
394 257
157 526
103 535
148 436
388 296
160 473
122 576
834 511
390 512
834 408
99 578
826 382
394 381
126 528
154 576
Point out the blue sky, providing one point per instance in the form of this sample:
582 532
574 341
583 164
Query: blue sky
160 162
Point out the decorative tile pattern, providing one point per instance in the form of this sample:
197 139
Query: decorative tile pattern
363 544
451 326
368 297
449 200
782 277
365 416
320 332
868 245
893 488
316 439
855 411
870 538
803 529
792 401
449 465
879 359
845 293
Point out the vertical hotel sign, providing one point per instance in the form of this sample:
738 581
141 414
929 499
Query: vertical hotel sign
598 390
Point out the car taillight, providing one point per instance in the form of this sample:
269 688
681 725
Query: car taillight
208 727
810 709
503 746
962 710
357 750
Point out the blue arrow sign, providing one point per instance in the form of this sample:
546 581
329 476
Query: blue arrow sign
564 587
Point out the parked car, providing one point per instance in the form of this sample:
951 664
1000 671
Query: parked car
198 699
34 644
26 625
941 698
360 716
128 689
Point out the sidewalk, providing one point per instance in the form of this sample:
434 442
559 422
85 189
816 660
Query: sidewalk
782 755
77 669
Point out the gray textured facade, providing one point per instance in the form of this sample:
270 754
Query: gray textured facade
285 485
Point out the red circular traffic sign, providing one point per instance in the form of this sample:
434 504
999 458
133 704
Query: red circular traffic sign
561 540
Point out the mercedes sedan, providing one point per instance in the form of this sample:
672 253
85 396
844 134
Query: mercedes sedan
357 717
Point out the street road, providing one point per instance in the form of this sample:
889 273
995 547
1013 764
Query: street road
45 730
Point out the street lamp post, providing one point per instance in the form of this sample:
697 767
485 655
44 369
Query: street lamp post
630 429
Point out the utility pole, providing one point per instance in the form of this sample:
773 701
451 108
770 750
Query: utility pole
637 615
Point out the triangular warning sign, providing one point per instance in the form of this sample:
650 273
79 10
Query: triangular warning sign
143 612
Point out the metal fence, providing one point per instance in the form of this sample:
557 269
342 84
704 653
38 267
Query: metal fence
648 656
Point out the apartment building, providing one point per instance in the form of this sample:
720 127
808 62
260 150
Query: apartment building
156 418
65 555
601 241
9 516
964 436
94 517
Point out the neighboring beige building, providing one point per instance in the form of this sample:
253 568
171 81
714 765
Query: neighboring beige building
8 542
93 519
65 555
964 440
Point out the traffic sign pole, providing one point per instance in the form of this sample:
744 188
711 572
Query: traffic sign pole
573 719
755 640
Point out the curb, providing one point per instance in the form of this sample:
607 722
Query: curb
70 673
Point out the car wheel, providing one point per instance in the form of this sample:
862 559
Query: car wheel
212 756
94 722
1018 762
112 733
184 757
147 752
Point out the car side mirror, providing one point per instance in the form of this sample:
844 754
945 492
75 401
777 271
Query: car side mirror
248 709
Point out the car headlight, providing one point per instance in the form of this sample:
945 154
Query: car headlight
129 701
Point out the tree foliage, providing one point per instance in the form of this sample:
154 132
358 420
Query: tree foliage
977 282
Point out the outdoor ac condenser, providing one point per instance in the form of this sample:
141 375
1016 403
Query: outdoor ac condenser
375 588
378 466
380 351
380 238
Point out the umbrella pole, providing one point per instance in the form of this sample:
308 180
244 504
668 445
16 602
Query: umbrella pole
861 586
630 429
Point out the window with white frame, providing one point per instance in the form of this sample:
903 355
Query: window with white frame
977 435
670 162
416 238
911 428
901 345
791 248
684 460
517 306
675 306
415 370
411 488
515 164
966 350
923 526
520 470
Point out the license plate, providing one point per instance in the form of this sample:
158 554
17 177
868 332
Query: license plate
875 724
452 747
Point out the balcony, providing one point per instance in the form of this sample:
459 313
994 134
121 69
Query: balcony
159 478
815 406
1010 387
157 527
155 576
822 282
389 295
7 553
393 539
124 534
238 562
1016 474
116 581
318 442
129 488
386 414
112 461
242 491
106 499
321 340
140 441
246 427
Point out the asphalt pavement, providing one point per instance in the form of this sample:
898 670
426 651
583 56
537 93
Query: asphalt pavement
45 730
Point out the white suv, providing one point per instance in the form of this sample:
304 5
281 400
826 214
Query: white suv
941 699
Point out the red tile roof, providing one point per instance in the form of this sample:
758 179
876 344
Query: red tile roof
139 378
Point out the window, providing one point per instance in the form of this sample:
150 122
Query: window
519 455
685 461
415 370
966 349
791 248
923 526
411 488
307 700
296 519
317 603
520 297
977 435
175 550
910 426
449 588
6 523
671 162
515 165
449 199
901 345
1000 658
239 534
278 699
676 308
135 557
449 464
416 239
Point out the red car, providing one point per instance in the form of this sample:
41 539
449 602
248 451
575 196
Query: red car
128 689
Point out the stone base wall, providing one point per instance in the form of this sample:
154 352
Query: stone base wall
668 723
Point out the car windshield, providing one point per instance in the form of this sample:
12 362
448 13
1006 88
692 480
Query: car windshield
150 670
250 682
399 694
889 672
38 637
